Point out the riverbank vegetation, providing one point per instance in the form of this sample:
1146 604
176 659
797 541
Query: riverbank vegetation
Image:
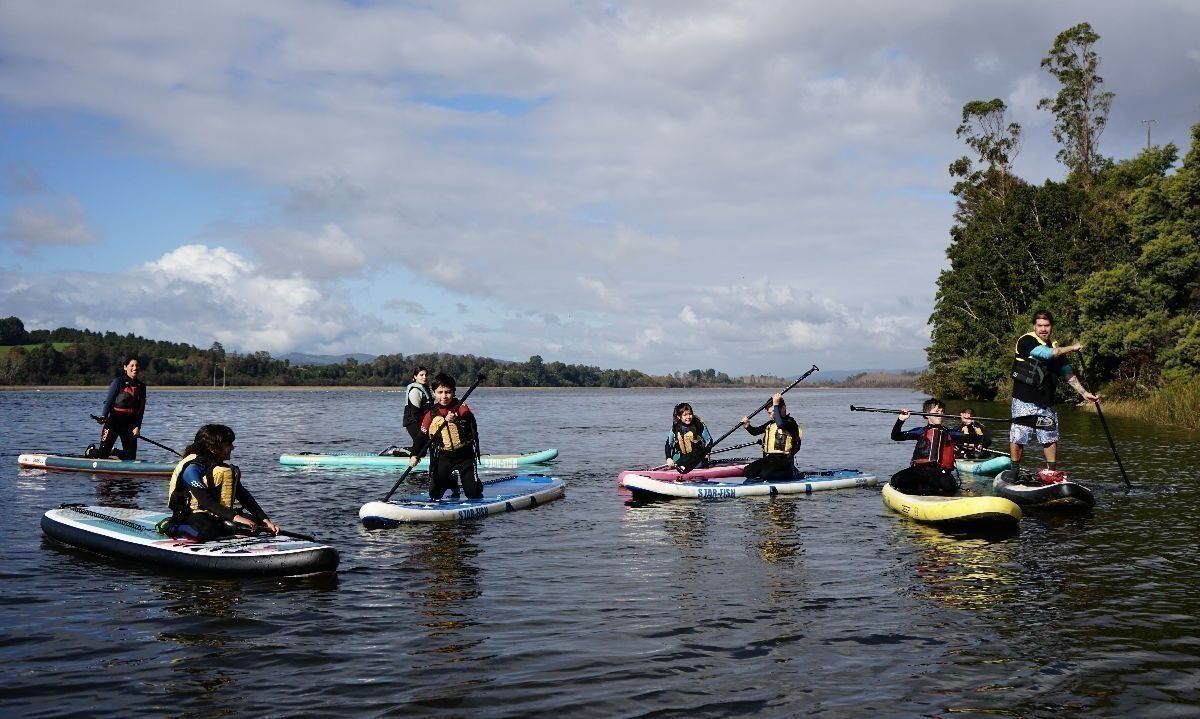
1112 250
75 357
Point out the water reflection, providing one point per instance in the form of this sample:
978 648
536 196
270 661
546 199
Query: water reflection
443 555
960 572
124 492
775 521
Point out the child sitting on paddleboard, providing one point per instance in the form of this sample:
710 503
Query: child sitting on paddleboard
453 442
975 436
781 442
931 471
688 440
206 495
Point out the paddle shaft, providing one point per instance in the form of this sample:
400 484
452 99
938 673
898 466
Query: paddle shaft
1030 421
696 460
100 420
1104 424
457 404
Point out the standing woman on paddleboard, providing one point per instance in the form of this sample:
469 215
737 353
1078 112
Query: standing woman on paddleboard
453 442
417 400
1037 365
689 438
781 442
206 496
122 415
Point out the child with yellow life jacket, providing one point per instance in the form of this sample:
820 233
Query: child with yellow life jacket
932 469
689 437
975 436
781 442
206 495
453 442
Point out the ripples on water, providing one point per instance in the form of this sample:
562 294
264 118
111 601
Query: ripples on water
588 606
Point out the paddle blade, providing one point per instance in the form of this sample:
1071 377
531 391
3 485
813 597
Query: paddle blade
1034 420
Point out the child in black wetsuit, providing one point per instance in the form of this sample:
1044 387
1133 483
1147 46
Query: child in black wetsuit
453 442
781 442
932 467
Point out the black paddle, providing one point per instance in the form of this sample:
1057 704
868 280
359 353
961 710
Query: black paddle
100 420
1032 420
699 456
1124 476
457 404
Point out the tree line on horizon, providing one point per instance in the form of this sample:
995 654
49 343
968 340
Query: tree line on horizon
67 356
1112 250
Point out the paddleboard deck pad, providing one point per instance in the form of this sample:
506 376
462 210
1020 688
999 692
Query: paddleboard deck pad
366 459
962 511
989 467
1037 495
502 494
131 534
62 463
648 488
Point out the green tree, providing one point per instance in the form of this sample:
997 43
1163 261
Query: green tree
1081 106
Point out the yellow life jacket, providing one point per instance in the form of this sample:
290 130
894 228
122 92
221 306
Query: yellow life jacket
449 435
690 440
221 481
973 432
777 440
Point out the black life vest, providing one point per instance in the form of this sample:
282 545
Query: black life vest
689 439
413 414
128 398
935 447
974 434
1028 369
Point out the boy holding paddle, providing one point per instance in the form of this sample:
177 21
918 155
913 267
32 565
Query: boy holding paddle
453 442
781 442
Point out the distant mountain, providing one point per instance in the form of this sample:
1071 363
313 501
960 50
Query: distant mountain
300 358
839 375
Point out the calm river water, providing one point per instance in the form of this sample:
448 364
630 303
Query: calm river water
587 607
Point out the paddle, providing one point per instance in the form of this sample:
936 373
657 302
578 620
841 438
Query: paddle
1124 476
699 456
1032 420
100 420
743 445
457 404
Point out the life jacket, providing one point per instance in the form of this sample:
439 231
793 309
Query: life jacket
221 481
974 434
414 414
777 440
935 446
1028 369
126 402
690 439
450 436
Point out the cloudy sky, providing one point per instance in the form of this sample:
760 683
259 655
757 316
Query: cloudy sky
754 187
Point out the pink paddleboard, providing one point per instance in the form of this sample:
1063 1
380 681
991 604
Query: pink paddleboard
718 472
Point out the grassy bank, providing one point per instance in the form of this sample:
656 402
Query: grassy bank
1177 403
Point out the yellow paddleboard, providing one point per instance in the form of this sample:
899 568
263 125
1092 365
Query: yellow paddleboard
962 510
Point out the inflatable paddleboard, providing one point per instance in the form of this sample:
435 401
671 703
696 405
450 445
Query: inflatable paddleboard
1062 494
994 512
131 534
647 488
503 494
61 463
366 459
989 467
718 472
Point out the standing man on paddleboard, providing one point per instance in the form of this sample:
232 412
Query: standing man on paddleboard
1037 365
122 416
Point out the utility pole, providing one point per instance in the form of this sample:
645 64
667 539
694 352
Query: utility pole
1148 123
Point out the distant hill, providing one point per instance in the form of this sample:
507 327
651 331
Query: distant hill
302 359
878 378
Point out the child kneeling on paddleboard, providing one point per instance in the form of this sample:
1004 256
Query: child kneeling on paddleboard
689 438
932 469
781 442
206 495
453 443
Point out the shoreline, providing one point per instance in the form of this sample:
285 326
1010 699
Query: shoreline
397 388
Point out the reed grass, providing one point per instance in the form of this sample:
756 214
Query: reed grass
1176 403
